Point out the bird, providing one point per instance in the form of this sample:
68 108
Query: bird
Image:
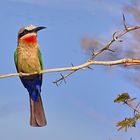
28 59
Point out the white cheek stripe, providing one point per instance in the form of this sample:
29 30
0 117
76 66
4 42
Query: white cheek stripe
28 35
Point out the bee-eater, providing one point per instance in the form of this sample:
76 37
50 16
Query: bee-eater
28 59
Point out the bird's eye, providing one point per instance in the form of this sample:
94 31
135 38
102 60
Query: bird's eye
25 31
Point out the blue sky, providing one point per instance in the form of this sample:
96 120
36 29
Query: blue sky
83 108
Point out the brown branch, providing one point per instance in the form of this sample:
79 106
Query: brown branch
115 38
129 103
86 65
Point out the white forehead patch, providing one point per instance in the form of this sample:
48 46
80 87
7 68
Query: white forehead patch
30 27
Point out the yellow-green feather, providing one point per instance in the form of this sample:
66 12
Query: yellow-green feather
39 56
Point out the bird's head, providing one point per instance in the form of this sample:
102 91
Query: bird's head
29 33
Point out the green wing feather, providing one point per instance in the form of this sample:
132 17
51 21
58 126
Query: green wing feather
40 59
16 59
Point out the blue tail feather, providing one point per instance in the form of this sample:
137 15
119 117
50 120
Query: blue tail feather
33 85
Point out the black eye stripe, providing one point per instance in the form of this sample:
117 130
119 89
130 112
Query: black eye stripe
24 33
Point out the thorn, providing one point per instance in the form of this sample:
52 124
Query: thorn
60 83
72 65
57 84
123 17
63 78
114 37
134 112
120 40
90 60
93 52
89 68
65 81
110 50
131 100
124 22
137 105
62 75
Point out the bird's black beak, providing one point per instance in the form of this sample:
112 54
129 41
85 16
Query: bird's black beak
39 28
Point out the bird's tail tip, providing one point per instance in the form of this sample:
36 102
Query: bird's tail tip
37 115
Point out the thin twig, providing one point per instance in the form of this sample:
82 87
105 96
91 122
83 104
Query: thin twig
58 81
132 107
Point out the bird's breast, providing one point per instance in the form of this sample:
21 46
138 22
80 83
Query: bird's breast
28 60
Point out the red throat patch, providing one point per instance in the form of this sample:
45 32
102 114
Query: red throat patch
29 37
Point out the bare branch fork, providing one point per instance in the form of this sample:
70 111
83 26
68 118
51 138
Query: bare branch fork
115 37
